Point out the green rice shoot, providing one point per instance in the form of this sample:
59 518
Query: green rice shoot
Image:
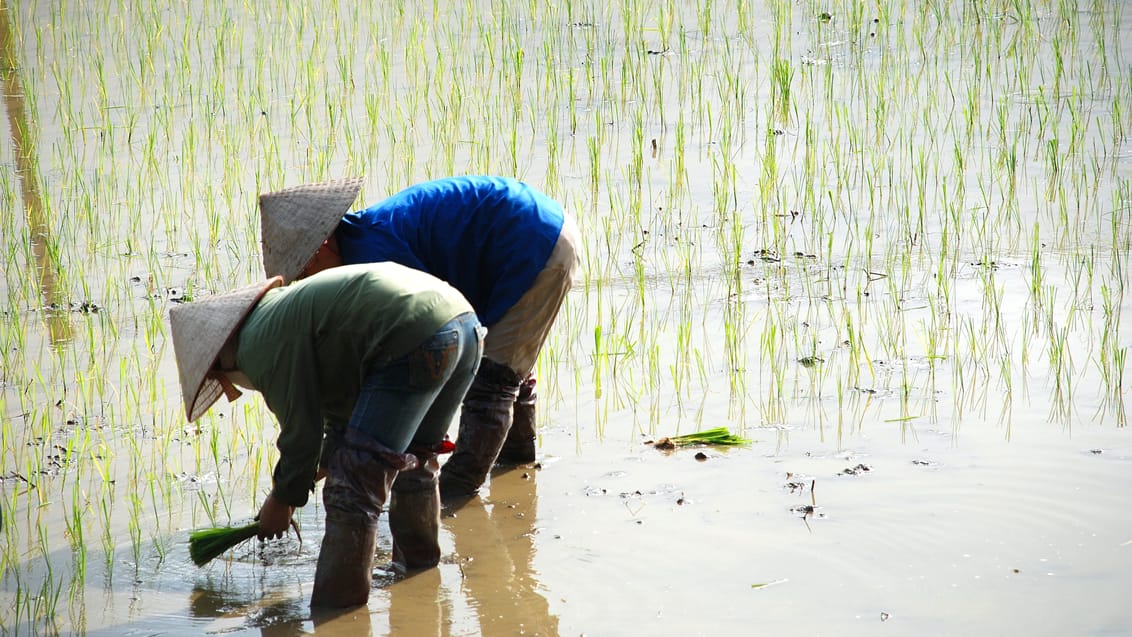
207 544
715 436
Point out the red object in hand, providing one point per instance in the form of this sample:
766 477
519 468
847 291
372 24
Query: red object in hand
444 446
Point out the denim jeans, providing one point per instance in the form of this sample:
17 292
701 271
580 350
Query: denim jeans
413 400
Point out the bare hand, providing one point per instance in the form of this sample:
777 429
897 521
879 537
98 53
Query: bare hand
274 518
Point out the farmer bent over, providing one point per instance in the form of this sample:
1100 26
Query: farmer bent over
380 356
507 247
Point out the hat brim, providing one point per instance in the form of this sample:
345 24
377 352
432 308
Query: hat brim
200 330
294 222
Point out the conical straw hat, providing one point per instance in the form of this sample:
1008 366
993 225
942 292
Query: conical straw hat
200 330
294 222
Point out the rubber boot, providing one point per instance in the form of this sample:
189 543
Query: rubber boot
414 515
345 565
519 446
485 419
360 474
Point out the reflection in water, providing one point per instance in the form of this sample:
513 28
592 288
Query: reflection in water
276 614
419 607
494 546
349 622
207 603
23 140
497 540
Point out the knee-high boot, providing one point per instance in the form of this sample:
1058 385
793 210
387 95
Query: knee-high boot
519 447
359 476
485 419
414 515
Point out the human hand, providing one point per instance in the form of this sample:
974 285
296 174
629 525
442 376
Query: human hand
274 518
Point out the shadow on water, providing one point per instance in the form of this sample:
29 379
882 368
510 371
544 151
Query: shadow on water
23 141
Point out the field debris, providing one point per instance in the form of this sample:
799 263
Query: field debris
857 470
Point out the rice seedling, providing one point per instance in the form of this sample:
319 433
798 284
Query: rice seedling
718 436
206 545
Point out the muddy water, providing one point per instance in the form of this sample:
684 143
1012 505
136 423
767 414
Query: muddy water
981 537
903 278
937 535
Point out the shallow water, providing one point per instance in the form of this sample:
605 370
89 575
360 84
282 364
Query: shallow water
910 265
940 535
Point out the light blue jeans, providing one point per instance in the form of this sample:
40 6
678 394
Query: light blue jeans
413 400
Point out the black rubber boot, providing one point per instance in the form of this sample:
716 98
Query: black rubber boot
360 474
414 515
519 447
485 419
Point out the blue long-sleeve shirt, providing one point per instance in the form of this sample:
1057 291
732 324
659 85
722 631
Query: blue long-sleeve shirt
488 237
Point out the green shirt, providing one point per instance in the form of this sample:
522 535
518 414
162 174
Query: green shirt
308 346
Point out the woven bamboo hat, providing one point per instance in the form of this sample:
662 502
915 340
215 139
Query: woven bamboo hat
294 222
200 330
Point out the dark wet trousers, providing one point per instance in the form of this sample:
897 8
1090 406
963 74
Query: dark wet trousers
496 425
360 473
414 514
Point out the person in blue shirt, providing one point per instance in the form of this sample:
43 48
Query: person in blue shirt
511 250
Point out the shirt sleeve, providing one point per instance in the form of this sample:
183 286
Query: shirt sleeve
292 394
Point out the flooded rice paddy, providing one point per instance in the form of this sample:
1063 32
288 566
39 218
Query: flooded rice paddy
888 242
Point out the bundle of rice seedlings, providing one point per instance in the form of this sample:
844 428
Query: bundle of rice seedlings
206 544
716 436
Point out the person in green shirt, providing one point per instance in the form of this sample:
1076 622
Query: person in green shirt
374 357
